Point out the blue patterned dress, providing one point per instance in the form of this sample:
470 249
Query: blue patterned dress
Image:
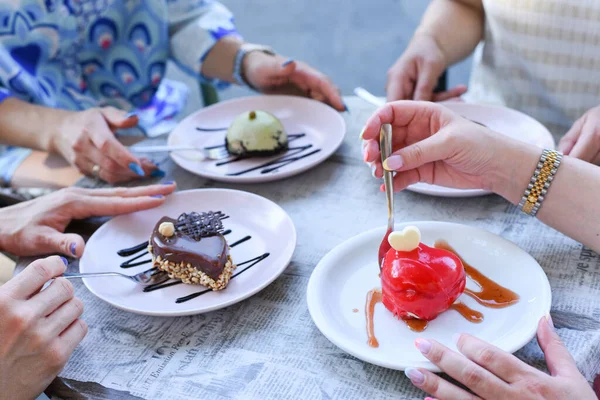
76 54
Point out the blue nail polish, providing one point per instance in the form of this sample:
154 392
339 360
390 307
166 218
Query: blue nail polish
287 62
168 182
73 248
158 196
157 173
137 169
64 260
346 107
130 114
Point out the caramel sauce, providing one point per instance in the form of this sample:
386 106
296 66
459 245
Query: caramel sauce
355 310
373 297
491 294
470 315
416 325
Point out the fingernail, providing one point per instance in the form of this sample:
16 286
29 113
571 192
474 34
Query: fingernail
456 338
130 114
136 169
168 182
158 196
415 376
549 320
64 260
157 173
361 134
73 248
346 107
423 345
287 62
393 163
374 170
366 155
429 398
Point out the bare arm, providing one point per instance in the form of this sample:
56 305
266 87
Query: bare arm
455 25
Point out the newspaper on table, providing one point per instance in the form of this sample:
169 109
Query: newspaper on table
267 346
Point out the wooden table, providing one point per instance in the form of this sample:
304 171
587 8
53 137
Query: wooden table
344 181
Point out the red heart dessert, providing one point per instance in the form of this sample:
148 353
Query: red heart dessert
420 283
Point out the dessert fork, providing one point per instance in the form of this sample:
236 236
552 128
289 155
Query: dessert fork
209 153
146 278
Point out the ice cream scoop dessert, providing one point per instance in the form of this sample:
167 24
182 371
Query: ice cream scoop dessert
192 249
418 281
256 133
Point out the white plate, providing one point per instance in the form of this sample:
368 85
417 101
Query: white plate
343 277
504 120
324 129
271 229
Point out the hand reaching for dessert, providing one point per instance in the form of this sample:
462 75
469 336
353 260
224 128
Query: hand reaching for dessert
275 75
583 139
87 139
39 329
493 374
36 227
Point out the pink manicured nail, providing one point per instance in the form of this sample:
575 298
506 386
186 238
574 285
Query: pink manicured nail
393 163
549 320
415 376
456 338
366 154
423 345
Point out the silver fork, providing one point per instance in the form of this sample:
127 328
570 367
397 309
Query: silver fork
209 153
146 278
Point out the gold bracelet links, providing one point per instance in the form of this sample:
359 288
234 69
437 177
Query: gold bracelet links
540 182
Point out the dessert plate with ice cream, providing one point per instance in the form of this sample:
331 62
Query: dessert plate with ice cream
267 138
438 279
210 248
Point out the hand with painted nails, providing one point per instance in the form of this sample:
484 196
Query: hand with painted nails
276 75
87 139
37 227
583 139
40 329
492 374
415 75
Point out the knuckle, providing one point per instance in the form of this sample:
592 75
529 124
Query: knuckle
417 152
42 270
534 386
485 356
77 305
436 354
472 376
432 385
38 340
81 324
65 287
20 321
56 357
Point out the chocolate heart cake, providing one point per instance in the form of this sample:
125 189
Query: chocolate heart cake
192 249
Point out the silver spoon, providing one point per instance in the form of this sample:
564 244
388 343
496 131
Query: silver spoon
146 278
385 144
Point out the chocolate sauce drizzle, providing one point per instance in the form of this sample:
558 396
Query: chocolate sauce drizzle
130 263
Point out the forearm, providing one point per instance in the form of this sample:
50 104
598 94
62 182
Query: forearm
219 62
457 26
28 125
571 205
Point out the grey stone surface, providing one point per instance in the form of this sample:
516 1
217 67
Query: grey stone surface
353 41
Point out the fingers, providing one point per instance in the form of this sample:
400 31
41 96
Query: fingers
119 119
371 152
55 295
474 377
111 206
57 322
31 280
151 190
450 94
500 363
587 146
73 335
568 141
48 240
426 82
402 180
436 386
321 88
428 150
558 358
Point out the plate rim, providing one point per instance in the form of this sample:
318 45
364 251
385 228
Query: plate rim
269 177
320 321
251 293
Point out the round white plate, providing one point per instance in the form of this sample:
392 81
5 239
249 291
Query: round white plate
504 120
271 229
343 277
324 130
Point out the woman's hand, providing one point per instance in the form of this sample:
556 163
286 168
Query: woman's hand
275 75
434 145
39 330
87 138
415 75
492 374
36 227
583 139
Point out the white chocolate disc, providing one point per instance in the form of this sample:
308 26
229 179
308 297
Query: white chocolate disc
406 240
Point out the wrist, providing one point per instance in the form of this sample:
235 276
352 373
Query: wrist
512 169
58 124
422 34
249 64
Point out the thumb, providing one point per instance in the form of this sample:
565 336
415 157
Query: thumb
119 119
558 358
52 241
568 141
426 83
287 67
428 150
